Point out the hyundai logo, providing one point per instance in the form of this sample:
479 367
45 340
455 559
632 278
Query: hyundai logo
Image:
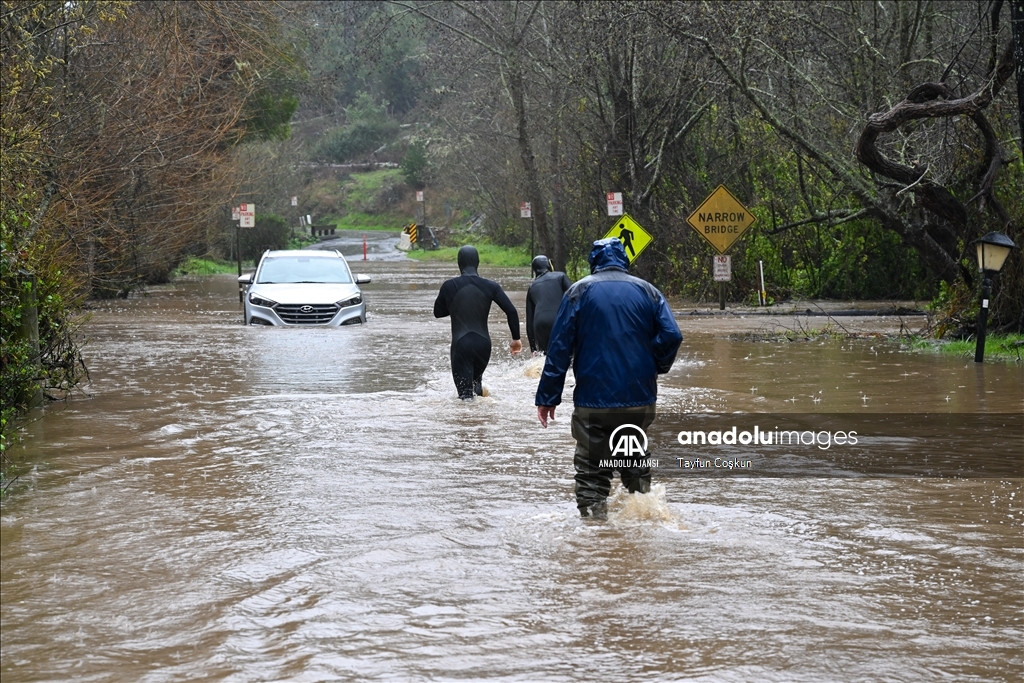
306 309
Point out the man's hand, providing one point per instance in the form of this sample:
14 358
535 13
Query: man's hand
544 413
516 346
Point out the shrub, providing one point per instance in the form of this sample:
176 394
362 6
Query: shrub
271 232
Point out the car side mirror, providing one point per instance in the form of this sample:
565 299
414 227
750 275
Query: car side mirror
244 282
362 279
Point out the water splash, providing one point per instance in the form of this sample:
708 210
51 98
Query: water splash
641 507
534 367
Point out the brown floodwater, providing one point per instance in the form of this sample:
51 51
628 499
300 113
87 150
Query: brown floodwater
238 503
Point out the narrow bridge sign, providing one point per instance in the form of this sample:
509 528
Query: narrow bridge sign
721 219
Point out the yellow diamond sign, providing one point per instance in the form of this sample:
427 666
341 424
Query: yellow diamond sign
633 237
721 219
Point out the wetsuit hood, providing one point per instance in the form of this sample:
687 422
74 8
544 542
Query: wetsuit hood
541 264
469 260
608 253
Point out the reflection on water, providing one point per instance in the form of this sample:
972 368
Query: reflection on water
242 504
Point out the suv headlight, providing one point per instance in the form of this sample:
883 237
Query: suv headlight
260 301
357 299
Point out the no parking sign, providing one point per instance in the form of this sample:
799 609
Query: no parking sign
723 268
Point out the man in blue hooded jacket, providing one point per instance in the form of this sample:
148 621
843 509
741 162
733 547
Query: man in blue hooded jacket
618 333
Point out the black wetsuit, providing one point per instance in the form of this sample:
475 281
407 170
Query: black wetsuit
542 301
467 299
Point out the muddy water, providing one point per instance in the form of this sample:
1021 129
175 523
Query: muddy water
252 504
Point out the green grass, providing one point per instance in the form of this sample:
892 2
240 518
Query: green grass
490 255
363 187
365 221
199 266
1006 348
361 190
205 266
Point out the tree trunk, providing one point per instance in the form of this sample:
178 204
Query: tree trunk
540 214
559 251
1017 24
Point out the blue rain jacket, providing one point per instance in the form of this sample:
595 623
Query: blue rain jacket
617 332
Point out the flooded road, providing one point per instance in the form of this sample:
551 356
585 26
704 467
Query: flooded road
239 503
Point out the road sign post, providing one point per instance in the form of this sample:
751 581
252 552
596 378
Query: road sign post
246 219
526 211
722 268
722 272
247 215
614 203
235 217
762 295
721 220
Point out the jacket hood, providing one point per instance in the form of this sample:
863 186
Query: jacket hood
541 264
608 253
469 260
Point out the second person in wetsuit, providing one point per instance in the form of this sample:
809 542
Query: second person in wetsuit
542 301
467 299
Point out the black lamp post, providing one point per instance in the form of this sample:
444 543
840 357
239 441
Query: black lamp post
993 249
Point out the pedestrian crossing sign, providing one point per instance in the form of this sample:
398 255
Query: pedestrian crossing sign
633 237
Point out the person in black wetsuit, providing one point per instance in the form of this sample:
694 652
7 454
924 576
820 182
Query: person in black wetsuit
467 299
542 301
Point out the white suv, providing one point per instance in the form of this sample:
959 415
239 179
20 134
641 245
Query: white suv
303 287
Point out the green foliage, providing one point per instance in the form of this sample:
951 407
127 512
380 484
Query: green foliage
355 143
346 49
271 232
363 188
199 266
854 260
301 241
414 165
956 310
268 116
836 259
90 203
365 111
367 221
1005 348
367 129
26 274
490 255
359 200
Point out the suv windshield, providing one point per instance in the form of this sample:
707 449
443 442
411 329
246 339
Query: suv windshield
293 269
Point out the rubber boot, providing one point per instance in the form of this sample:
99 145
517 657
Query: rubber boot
598 510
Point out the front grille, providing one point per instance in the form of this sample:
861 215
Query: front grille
306 314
